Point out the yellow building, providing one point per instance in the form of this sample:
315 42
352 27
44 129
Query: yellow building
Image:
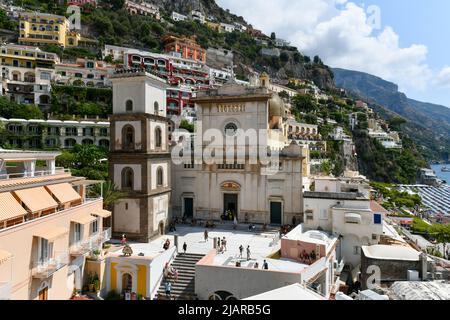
213 25
39 29
139 274
42 28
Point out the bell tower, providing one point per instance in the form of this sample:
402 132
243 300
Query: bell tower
139 162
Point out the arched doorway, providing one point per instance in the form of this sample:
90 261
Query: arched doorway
161 228
127 282
222 295
230 192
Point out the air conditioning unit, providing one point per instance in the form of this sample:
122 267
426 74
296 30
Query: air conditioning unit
413 275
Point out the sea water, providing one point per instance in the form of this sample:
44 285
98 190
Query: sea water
442 175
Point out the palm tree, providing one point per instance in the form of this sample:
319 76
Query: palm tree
110 193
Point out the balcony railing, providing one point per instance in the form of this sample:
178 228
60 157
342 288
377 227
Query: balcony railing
44 269
94 242
7 176
5 290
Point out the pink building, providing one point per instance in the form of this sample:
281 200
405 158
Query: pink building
52 228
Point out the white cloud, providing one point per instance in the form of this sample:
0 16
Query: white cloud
338 31
443 78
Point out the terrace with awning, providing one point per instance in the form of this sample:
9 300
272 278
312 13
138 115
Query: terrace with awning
37 200
12 212
64 194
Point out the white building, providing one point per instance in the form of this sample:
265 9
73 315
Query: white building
226 27
27 73
84 72
282 43
178 16
239 186
343 207
198 16
36 134
388 140
142 8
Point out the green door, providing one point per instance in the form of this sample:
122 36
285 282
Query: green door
189 207
275 213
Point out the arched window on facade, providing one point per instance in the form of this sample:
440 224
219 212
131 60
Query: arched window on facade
128 137
156 108
158 138
160 177
129 106
127 179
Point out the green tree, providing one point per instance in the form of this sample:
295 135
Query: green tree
326 167
304 103
109 191
284 57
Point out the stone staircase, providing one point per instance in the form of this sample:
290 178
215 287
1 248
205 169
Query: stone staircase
184 287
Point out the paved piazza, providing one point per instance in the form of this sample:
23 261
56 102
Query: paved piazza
261 244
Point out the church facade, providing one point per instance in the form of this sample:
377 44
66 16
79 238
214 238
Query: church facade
139 163
268 192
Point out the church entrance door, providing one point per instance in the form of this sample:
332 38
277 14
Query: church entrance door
230 205
275 213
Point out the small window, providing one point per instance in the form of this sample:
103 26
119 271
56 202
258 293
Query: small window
356 250
156 108
129 106
158 138
160 177
377 218
230 129
127 179
95 226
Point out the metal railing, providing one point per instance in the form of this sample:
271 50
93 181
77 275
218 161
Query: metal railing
44 269
5 290
8 176
94 242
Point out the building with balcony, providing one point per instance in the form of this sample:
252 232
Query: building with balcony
342 206
389 140
184 76
27 74
179 17
40 29
142 8
187 47
54 134
196 15
226 27
84 72
50 223
81 3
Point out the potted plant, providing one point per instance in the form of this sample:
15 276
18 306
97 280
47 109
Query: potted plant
97 285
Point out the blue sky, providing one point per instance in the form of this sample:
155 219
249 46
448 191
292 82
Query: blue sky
408 45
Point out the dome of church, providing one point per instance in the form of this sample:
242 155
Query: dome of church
276 106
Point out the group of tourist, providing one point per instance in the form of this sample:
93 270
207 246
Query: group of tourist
265 265
241 251
308 258
221 245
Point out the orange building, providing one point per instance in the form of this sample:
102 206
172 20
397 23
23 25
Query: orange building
187 47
